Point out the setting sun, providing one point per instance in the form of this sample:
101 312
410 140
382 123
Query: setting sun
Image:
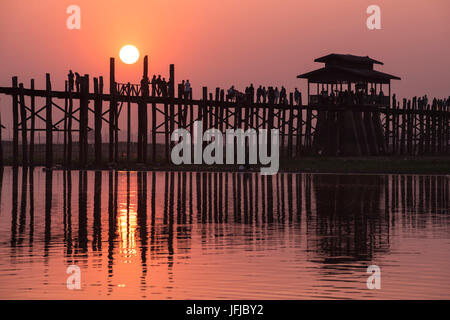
129 54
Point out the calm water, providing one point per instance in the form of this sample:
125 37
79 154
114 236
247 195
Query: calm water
188 235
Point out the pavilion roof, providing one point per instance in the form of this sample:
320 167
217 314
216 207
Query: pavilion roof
337 74
347 58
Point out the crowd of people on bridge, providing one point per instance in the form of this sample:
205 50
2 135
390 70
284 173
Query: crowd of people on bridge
350 97
160 86
271 95
422 102
264 95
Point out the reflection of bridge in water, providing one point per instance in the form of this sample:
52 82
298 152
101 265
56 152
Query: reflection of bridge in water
156 215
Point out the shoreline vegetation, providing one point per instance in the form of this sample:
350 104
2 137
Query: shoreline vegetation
329 165
394 164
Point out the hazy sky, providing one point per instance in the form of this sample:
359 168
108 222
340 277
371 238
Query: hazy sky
220 43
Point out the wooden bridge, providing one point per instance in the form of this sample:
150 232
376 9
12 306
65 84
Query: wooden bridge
331 127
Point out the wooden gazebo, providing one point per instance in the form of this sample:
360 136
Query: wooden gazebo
349 92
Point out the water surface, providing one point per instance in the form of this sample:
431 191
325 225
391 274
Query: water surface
183 235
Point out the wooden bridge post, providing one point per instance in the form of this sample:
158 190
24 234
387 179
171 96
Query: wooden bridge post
427 130
387 130
128 95
414 129
66 107
112 109
139 119
247 106
308 129
172 106
32 123
291 125
270 119
298 140
221 118
216 109
145 94
49 124
166 130
191 126
211 108
440 133
282 127
397 128
145 133
181 113
379 134
83 138
447 129
394 125
98 89
15 113
153 125
421 126
69 132
1 149
221 109
23 127
433 127
403 127
204 108
409 129
172 80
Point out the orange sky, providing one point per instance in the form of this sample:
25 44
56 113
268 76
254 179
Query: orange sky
220 43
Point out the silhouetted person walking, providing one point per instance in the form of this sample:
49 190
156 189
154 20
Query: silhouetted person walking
187 90
271 95
154 87
158 85
258 94
144 84
297 96
164 87
251 92
283 95
182 88
277 95
77 81
71 76
230 93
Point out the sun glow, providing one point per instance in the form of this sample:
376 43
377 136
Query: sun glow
129 54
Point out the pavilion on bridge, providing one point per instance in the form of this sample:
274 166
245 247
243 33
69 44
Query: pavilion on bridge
349 98
345 79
